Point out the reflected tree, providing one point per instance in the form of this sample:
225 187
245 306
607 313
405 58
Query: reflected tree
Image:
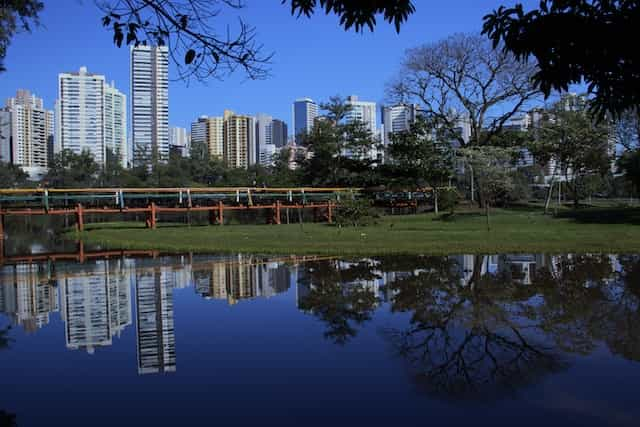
7 419
4 338
338 297
469 337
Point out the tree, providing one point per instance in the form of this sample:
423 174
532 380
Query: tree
420 157
70 170
576 40
12 175
570 136
629 163
464 83
493 171
339 153
16 16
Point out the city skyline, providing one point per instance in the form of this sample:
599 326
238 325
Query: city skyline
290 77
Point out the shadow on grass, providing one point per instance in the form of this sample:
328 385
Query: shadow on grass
603 215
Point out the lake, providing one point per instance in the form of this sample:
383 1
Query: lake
89 337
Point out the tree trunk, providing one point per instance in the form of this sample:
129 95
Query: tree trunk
548 201
486 209
435 198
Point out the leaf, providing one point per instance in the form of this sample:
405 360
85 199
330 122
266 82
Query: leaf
106 20
189 56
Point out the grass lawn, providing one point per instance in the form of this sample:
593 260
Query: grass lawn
589 230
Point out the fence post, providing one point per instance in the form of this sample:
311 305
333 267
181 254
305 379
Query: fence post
79 217
220 213
330 212
151 222
277 217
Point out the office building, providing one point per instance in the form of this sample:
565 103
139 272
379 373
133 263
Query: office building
239 140
362 111
150 104
31 133
305 112
179 141
397 118
279 133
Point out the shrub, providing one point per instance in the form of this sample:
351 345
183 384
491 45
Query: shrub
448 199
355 212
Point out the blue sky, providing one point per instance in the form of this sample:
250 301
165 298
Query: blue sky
312 57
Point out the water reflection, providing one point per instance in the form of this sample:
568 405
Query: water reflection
471 325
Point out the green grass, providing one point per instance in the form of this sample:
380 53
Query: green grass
593 230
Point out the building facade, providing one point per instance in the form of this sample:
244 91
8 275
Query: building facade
115 123
5 135
179 142
279 133
239 140
397 118
31 133
150 104
209 131
362 111
305 112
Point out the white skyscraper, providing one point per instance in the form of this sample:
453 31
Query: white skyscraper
264 138
362 111
91 116
80 122
115 122
150 104
179 141
398 118
31 132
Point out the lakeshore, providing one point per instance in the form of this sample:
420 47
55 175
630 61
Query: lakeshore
593 230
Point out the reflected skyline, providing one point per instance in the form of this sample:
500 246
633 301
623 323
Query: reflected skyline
469 301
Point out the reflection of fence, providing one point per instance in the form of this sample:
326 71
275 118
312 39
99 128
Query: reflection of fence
151 202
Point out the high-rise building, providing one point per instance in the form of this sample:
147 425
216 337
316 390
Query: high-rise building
210 132
305 112
31 133
398 118
155 327
5 135
279 133
80 113
115 123
362 111
264 139
150 104
179 141
239 140
91 116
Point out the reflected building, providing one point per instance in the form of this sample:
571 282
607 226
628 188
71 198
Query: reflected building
155 328
95 307
26 298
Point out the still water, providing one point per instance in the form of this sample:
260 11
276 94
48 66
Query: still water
145 339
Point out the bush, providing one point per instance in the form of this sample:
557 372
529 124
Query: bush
448 199
355 213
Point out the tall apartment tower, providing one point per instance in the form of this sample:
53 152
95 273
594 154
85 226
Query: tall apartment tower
210 132
31 127
5 135
91 116
239 140
398 118
305 112
115 123
264 138
362 111
150 104
155 328
80 113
